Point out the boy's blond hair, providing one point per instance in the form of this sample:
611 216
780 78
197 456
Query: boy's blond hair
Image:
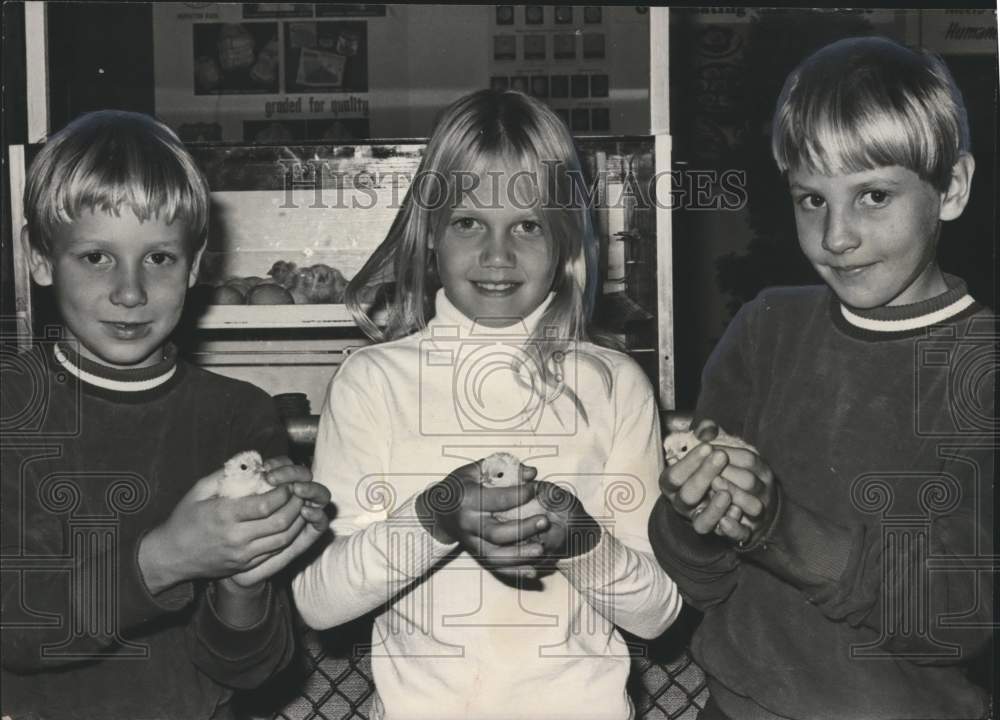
869 102
108 159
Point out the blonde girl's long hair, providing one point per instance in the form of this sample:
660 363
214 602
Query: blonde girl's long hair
482 130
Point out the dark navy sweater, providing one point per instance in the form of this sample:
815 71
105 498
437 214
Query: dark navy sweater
873 588
88 470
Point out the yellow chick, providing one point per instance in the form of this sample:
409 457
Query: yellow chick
243 474
679 444
501 469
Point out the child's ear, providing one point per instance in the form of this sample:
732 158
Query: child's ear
195 265
41 266
954 199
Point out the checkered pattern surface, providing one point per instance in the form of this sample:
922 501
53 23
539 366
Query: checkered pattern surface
332 679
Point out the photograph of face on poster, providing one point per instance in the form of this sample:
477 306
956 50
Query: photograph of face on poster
235 58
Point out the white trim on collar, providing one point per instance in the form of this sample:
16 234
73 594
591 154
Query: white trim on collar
107 383
905 324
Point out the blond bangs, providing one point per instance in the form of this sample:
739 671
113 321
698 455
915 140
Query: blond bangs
108 161
864 103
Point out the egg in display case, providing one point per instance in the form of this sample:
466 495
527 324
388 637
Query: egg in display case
291 225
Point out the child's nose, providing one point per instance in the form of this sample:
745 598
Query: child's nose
839 235
498 250
129 289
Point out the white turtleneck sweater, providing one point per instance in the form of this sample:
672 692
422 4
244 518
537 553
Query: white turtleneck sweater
452 640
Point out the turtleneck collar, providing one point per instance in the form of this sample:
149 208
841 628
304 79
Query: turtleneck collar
127 380
447 315
896 319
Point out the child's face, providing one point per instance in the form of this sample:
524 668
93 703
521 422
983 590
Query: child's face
119 284
871 235
496 257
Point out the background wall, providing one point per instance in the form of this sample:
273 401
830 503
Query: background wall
727 69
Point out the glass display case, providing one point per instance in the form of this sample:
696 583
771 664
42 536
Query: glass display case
290 225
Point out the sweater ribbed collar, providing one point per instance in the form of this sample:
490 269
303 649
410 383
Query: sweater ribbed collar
118 380
449 318
892 320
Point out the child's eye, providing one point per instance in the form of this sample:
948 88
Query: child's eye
465 224
811 201
160 258
529 227
874 198
95 258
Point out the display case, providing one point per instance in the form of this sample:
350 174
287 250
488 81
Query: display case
290 225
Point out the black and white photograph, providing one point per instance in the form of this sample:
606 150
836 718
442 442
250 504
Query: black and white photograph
235 58
435 361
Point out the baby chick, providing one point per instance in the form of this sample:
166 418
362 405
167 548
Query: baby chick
319 284
677 445
243 475
501 469
283 273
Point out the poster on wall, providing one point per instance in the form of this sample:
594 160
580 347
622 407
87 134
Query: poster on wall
264 72
328 56
235 58
270 72
565 55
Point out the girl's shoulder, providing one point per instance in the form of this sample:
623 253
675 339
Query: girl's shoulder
366 361
615 367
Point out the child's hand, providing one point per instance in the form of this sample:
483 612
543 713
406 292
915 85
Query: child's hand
753 489
281 471
211 537
315 497
459 509
572 531
688 484
731 522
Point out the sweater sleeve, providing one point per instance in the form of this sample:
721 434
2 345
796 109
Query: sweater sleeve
246 657
379 545
620 576
705 566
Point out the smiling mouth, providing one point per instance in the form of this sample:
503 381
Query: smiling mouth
496 288
127 330
850 271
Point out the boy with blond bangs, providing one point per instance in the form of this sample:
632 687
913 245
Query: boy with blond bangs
843 562
130 588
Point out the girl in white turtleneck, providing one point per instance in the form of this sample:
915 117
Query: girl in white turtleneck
486 350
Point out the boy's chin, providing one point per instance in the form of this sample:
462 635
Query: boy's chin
124 358
859 301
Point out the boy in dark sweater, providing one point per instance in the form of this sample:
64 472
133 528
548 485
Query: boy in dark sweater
844 568
130 590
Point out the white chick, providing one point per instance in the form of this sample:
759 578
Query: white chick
243 474
677 445
501 469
